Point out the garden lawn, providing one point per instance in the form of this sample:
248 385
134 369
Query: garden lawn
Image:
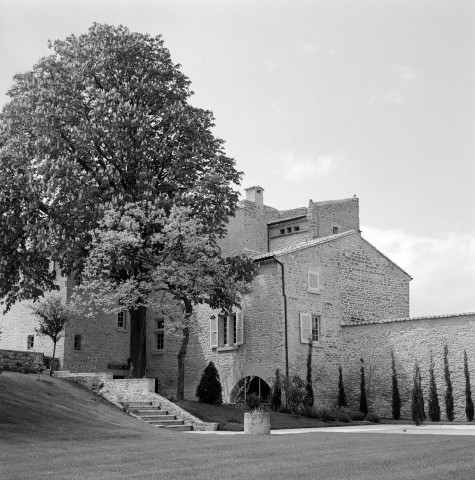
72 436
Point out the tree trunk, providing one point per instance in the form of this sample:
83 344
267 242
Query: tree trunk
180 389
138 332
51 367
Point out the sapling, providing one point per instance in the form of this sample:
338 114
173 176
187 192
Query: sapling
449 397
468 390
363 401
396 398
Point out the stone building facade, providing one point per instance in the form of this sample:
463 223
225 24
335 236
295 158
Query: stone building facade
317 277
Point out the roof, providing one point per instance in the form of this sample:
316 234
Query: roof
406 319
318 241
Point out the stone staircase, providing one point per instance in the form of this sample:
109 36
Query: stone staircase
154 415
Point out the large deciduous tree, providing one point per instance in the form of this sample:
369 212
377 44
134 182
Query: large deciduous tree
100 126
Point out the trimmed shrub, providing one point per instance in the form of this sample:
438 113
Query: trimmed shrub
209 389
253 401
342 402
417 403
434 408
295 393
276 397
356 416
468 389
373 417
449 396
309 396
342 416
326 414
363 401
396 398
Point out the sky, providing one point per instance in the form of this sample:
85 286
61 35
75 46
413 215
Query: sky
321 100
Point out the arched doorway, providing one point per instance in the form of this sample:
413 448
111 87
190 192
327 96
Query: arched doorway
250 385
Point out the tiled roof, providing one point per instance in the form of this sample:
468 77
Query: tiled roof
302 245
407 319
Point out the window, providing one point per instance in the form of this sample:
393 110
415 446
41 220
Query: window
296 229
313 282
226 330
335 230
77 342
77 280
289 229
310 327
282 231
122 321
30 342
159 334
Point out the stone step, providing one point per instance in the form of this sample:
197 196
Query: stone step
141 411
139 404
165 423
148 418
179 428
147 408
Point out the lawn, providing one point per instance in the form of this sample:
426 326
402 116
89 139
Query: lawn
53 430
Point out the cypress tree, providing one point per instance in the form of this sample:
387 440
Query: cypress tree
363 401
309 397
468 390
276 399
396 398
449 397
341 389
434 407
417 403
209 389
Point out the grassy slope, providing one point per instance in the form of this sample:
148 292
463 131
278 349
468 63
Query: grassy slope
53 430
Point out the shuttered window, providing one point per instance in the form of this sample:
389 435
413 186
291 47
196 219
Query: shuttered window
313 282
226 330
310 327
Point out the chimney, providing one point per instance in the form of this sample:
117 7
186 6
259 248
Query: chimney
256 195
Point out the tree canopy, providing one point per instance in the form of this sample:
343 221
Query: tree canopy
101 122
108 170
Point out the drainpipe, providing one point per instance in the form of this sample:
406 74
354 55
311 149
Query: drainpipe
285 320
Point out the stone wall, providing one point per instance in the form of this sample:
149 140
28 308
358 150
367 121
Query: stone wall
411 340
381 289
323 216
261 353
17 361
18 323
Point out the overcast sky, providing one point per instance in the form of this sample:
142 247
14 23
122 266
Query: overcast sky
322 100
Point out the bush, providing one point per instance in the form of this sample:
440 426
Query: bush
356 416
363 400
417 403
326 414
468 389
373 417
209 389
434 408
342 416
253 401
449 397
341 389
396 398
276 397
295 393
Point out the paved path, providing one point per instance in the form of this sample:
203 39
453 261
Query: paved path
376 428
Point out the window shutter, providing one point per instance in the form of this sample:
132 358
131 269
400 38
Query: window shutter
213 332
305 327
313 282
239 329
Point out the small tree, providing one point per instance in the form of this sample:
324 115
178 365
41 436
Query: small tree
209 389
53 317
417 404
468 390
363 401
434 407
309 397
342 402
396 398
276 399
449 397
